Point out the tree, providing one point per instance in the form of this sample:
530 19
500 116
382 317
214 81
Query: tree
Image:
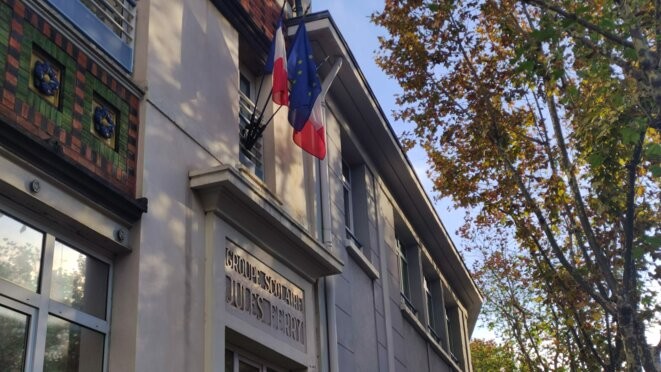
543 118
532 314
488 356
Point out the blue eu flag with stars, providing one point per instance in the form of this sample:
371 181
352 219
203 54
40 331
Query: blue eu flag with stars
305 84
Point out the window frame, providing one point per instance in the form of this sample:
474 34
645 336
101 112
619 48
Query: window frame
90 25
39 302
318 191
246 157
347 195
431 312
240 355
403 265
452 336
31 312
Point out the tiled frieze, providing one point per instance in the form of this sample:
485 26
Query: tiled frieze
56 94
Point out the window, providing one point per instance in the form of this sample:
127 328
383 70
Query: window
434 298
348 202
404 279
317 191
54 302
431 312
358 195
241 362
452 327
110 24
251 158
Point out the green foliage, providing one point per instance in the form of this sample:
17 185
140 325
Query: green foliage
488 356
541 116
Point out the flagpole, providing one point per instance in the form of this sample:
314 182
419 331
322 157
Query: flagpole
259 90
261 81
331 316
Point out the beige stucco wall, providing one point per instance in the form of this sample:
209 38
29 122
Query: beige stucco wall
189 112
189 122
192 74
173 299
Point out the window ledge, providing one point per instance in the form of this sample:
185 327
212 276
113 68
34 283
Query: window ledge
258 182
361 259
422 330
241 202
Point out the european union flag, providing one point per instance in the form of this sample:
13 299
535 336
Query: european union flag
305 84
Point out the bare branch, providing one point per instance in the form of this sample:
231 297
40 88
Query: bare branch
657 19
590 26
603 51
573 311
581 212
578 277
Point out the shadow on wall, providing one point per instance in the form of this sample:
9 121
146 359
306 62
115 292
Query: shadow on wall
192 112
193 73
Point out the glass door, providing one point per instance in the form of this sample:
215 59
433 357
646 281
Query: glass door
240 361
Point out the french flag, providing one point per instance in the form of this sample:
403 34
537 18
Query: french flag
276 64
312 138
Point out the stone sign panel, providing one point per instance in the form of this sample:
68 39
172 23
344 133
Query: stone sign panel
258 294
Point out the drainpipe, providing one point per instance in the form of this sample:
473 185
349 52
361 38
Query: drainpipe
331 317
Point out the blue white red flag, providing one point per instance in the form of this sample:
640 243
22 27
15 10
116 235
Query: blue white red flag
312 138
305 85
276 64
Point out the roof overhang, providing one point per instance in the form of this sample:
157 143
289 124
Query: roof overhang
351 92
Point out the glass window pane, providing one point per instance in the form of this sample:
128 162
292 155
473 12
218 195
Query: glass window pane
13 339
70 347
229 361
245 367
20 252
346 173
404 277
79 280
347 209
430 310
244 86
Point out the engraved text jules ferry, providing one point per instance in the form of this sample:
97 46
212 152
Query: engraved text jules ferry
267 297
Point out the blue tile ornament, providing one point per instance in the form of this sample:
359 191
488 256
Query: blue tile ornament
103 124
45 78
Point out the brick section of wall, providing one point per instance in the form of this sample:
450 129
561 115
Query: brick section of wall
264 13
66 128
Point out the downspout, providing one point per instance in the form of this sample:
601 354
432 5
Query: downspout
331 316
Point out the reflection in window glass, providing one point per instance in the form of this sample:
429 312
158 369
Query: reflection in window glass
79 280
70 347
20 253
431 311
403 271
13 340
229 361
245 367
348 203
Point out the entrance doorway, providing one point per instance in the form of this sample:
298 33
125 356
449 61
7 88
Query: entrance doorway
237 360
